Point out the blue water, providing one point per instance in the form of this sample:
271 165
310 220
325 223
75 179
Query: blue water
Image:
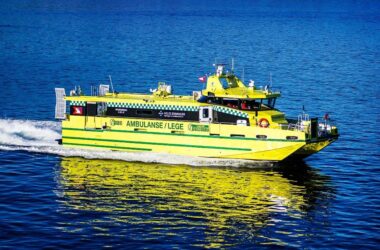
322 55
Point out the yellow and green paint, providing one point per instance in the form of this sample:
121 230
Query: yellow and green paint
244 139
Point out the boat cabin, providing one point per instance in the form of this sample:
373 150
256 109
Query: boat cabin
225 88
225 100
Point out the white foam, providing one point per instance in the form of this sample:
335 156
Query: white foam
29 133
41 136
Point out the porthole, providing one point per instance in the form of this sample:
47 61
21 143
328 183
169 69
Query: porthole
261 136
292 138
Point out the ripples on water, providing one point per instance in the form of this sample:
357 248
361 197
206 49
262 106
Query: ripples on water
326 60
157 205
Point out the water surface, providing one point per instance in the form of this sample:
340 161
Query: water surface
323 56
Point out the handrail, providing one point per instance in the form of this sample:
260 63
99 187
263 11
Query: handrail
324 126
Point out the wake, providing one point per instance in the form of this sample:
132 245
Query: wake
42 136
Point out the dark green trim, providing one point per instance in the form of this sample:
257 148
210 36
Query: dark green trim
174 134
155 143
105 146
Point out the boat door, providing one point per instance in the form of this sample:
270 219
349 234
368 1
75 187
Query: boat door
208 116
91 112
205 114
94 115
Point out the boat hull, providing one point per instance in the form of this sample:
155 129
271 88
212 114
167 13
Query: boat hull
313 147
180 138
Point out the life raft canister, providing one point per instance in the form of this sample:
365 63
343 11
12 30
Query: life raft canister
264 123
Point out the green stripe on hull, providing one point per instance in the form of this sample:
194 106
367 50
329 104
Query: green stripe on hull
155 143
106 146
190 135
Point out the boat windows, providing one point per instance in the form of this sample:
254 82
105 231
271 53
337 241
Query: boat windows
224 83
205 113
262 104
237 135
261 136
214 134
228 82
249 105
231 103
291 138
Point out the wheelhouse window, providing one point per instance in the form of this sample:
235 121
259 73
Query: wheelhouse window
228 82
231 103
257 105
224 83
250 105
246 104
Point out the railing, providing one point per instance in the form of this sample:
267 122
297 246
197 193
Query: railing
326 127
303 123
292 126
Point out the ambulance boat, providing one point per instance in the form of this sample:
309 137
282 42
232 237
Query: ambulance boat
227 119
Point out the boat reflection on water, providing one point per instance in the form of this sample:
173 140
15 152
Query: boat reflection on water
207 206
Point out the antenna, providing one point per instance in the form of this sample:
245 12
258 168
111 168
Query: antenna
270 79
113 90
232 65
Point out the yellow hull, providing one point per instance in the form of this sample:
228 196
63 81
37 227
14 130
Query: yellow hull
313 147
180 138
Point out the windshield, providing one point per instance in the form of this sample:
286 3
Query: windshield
228 82
246 104
250 105
262 104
